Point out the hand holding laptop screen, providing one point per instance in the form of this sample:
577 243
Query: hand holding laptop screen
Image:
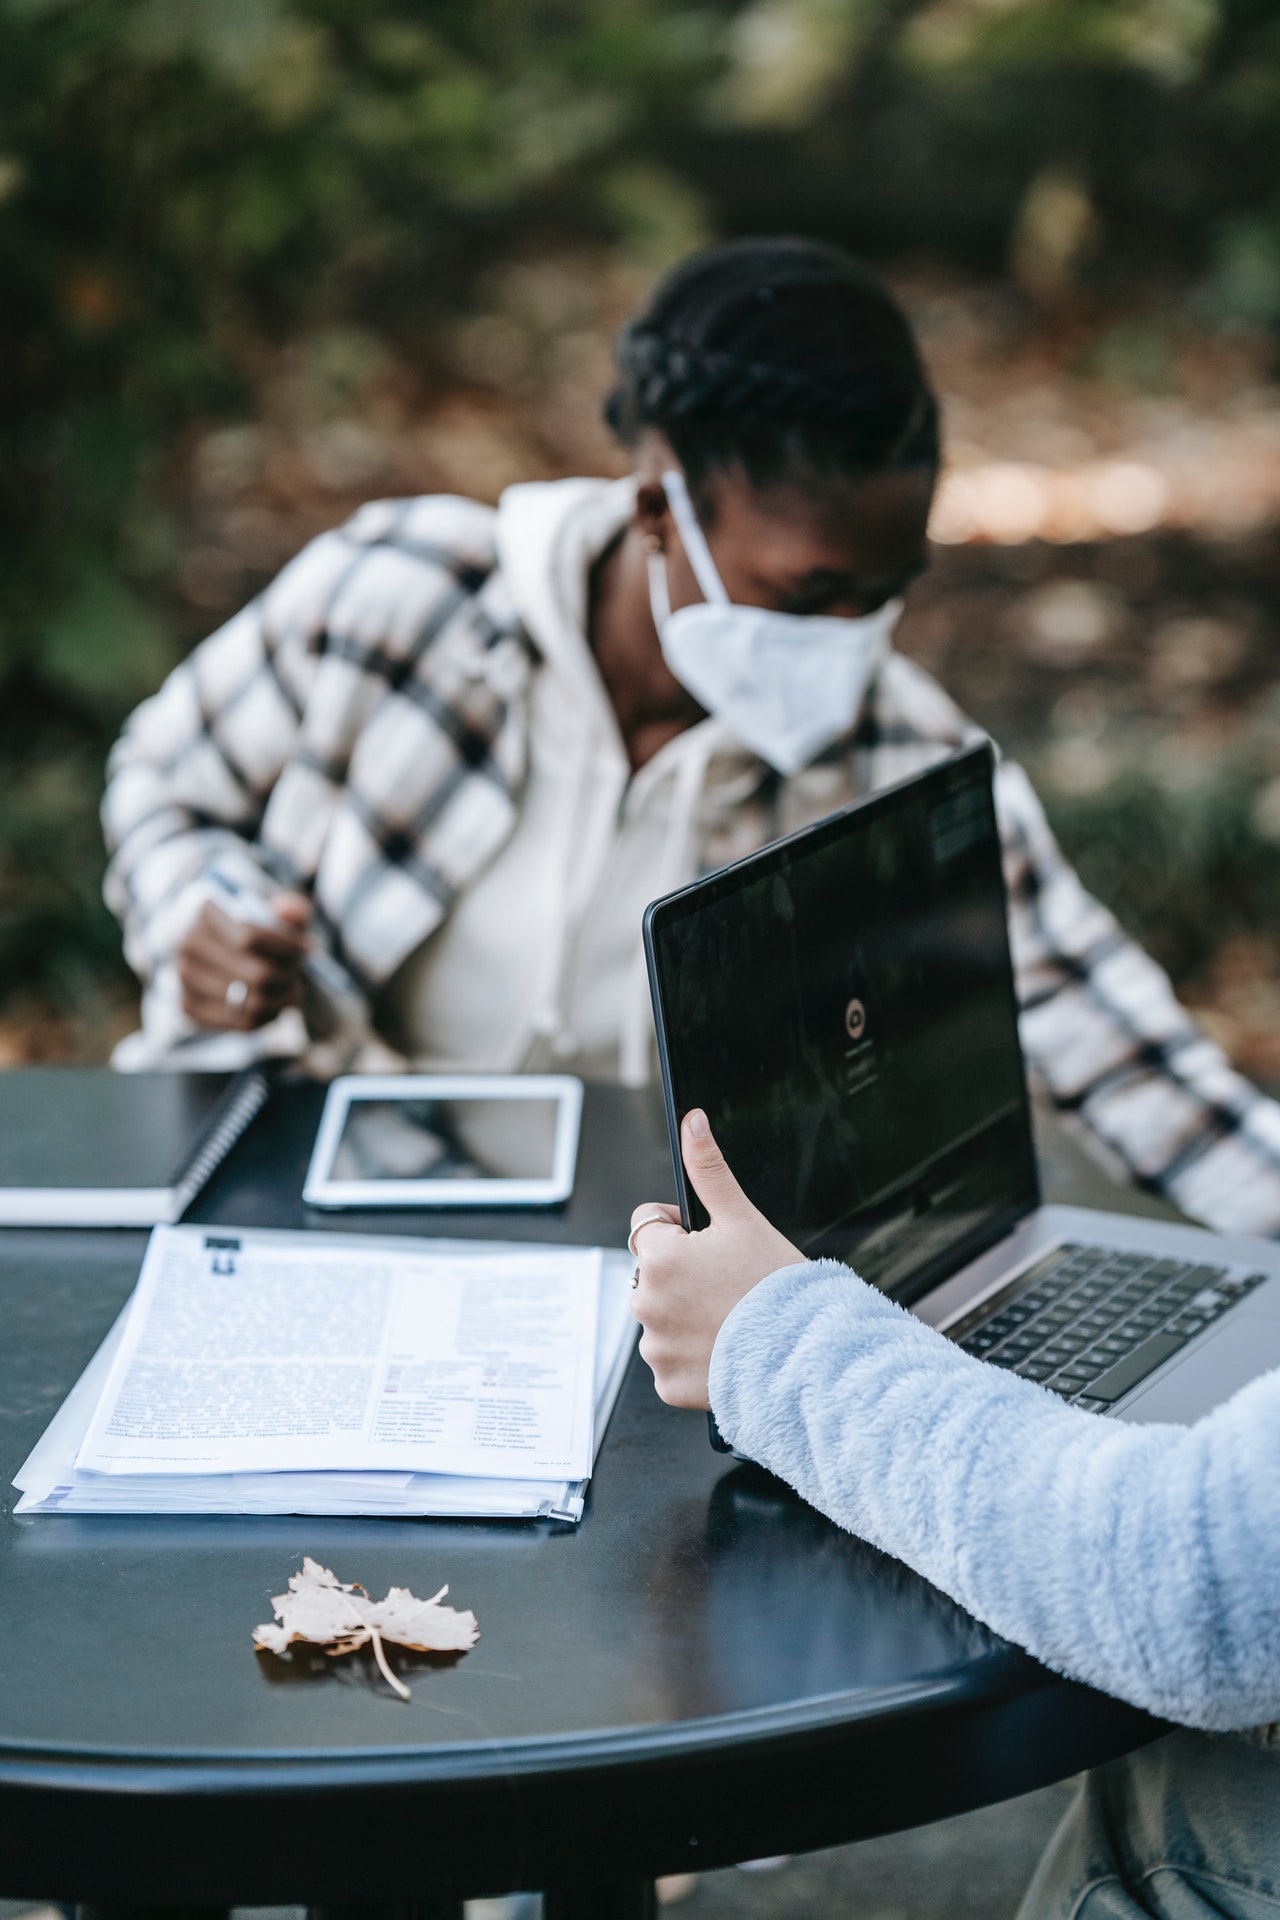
690 1282
842 1007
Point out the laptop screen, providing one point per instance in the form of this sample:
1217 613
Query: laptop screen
842 1005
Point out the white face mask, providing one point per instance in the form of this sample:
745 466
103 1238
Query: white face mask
786 684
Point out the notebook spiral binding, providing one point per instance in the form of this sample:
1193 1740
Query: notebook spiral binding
245 1099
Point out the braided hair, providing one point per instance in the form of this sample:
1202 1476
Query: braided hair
783 358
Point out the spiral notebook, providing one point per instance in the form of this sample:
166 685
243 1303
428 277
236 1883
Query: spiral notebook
84 1148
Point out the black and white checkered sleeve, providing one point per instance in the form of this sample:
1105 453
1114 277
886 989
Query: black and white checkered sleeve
1103 1030
192 776
189 777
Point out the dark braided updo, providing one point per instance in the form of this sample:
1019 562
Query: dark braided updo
784 358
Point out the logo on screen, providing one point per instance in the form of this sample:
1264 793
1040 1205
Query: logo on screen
855 1019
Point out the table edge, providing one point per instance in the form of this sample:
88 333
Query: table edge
1004 1672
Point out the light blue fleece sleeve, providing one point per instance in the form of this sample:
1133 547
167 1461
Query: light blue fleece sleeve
1142 1559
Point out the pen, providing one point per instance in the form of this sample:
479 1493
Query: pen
243 904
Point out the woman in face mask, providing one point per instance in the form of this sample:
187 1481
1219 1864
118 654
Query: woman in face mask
411 804
786 444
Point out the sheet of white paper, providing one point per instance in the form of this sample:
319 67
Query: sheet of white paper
273 1355
51 1462
473 1500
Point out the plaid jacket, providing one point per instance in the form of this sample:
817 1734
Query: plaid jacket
359 732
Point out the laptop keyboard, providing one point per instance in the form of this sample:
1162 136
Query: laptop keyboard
1089 1323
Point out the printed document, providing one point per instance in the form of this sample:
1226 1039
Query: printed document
50 1481
248 1353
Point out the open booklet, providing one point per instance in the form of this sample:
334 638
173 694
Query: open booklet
266 1372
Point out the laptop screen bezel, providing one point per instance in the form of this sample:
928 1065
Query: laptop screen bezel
676 907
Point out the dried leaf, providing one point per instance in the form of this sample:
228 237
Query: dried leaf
340 1616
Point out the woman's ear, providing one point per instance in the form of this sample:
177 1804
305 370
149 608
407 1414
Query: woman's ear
652 456
652 515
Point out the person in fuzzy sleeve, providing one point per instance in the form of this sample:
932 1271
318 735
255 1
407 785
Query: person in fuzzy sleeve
1143 1560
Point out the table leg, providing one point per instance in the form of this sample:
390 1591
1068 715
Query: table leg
632 1900
113 1912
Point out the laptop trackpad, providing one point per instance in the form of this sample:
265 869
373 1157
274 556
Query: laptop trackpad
1248 1344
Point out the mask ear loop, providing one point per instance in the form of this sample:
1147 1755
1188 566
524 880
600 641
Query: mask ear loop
695 541
659 593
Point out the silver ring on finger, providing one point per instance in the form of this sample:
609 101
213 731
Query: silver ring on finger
650 1220
237 994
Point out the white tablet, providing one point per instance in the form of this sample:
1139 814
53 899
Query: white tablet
446 1140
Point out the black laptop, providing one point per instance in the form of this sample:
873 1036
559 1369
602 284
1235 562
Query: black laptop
842 1005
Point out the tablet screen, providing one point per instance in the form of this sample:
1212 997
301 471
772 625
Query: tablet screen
487 1137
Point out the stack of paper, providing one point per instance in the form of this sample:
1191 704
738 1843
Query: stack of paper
263 1372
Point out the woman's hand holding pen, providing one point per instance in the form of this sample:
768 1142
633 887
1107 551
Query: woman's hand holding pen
237 974
689 1283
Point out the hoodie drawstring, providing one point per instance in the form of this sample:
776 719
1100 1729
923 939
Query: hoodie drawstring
688 778
551 1017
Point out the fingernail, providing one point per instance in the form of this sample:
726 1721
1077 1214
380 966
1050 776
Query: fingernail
697 1123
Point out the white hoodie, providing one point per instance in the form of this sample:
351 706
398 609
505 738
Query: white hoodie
539 964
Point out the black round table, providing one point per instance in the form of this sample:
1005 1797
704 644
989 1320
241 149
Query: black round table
702 1671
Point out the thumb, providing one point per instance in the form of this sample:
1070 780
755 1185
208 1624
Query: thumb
293 908
709 1171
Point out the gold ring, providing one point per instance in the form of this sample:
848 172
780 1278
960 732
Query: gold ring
650 1219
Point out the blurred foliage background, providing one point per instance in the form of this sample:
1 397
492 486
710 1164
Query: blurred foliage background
263 258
